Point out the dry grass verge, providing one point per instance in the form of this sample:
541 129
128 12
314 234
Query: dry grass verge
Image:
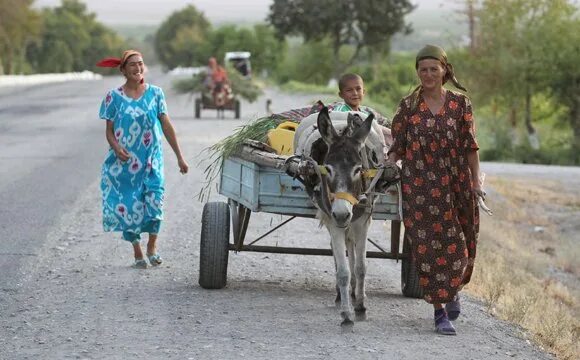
527 268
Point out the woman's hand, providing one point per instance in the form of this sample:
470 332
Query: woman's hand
478 190
183 167
122 153
478 186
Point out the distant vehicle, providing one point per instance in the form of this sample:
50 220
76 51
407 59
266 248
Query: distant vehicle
240 60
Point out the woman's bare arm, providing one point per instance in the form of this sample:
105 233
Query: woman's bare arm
473 161
169 133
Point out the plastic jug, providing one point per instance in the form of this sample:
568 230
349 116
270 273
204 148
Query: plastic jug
282 138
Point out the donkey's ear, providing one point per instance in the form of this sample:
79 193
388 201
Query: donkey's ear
325 127
360 135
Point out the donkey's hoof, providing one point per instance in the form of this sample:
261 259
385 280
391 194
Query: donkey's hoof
360 313
347 325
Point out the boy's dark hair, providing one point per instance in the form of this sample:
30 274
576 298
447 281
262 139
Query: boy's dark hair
347 77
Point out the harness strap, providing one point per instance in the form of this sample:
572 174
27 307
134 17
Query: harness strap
346 196
369 173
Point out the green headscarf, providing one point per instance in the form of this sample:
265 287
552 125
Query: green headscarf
437 53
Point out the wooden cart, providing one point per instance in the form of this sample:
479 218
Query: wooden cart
251 187
206 102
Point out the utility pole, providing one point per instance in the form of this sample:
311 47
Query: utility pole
469 9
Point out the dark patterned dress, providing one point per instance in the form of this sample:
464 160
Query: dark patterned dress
440 210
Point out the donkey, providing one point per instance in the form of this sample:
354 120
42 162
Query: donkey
347 223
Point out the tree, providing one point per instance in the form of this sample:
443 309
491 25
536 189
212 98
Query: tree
269 50
19 26
72 40
511 60
562 57
180 38
359 23
304 63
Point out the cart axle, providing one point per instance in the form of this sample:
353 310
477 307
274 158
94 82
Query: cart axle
310 251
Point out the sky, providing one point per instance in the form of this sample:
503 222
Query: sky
153 12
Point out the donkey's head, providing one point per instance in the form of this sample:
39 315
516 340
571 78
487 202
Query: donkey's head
344 165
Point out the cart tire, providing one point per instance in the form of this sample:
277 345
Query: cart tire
409 276
214 245
238 108
197 108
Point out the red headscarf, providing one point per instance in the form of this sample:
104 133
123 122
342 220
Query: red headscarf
119 62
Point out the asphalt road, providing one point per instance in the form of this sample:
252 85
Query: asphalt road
51 144
67 290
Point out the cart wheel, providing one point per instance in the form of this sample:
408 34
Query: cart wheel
409 276
197 108
214 246
238 109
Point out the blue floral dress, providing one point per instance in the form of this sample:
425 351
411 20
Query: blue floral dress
133 190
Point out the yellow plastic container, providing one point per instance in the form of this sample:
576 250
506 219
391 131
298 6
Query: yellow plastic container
282 138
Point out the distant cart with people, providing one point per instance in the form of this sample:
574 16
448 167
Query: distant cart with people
218 94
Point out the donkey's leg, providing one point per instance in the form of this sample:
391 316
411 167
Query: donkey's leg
351 262
359 230
337 298
342 272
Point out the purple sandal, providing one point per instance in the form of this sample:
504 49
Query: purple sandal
453 308
442 324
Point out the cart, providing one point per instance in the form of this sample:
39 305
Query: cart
206 102
254 187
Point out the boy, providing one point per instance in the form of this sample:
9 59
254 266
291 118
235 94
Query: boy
351 89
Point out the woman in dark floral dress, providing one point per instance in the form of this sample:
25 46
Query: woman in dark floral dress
434 136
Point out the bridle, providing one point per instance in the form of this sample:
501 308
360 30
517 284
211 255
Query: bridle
304 166
353 200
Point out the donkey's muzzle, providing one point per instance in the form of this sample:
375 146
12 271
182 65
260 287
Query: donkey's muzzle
341 218
341 209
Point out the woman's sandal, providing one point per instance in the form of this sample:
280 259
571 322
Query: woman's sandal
139 264
453 309
155 259
442 324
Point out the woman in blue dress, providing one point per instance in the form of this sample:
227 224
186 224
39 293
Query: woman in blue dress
132 175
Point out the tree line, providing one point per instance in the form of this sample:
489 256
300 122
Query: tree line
520 64
187 38
60 39
524 65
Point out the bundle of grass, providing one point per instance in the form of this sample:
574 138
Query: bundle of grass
244 87
193 84
241 86
255 130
